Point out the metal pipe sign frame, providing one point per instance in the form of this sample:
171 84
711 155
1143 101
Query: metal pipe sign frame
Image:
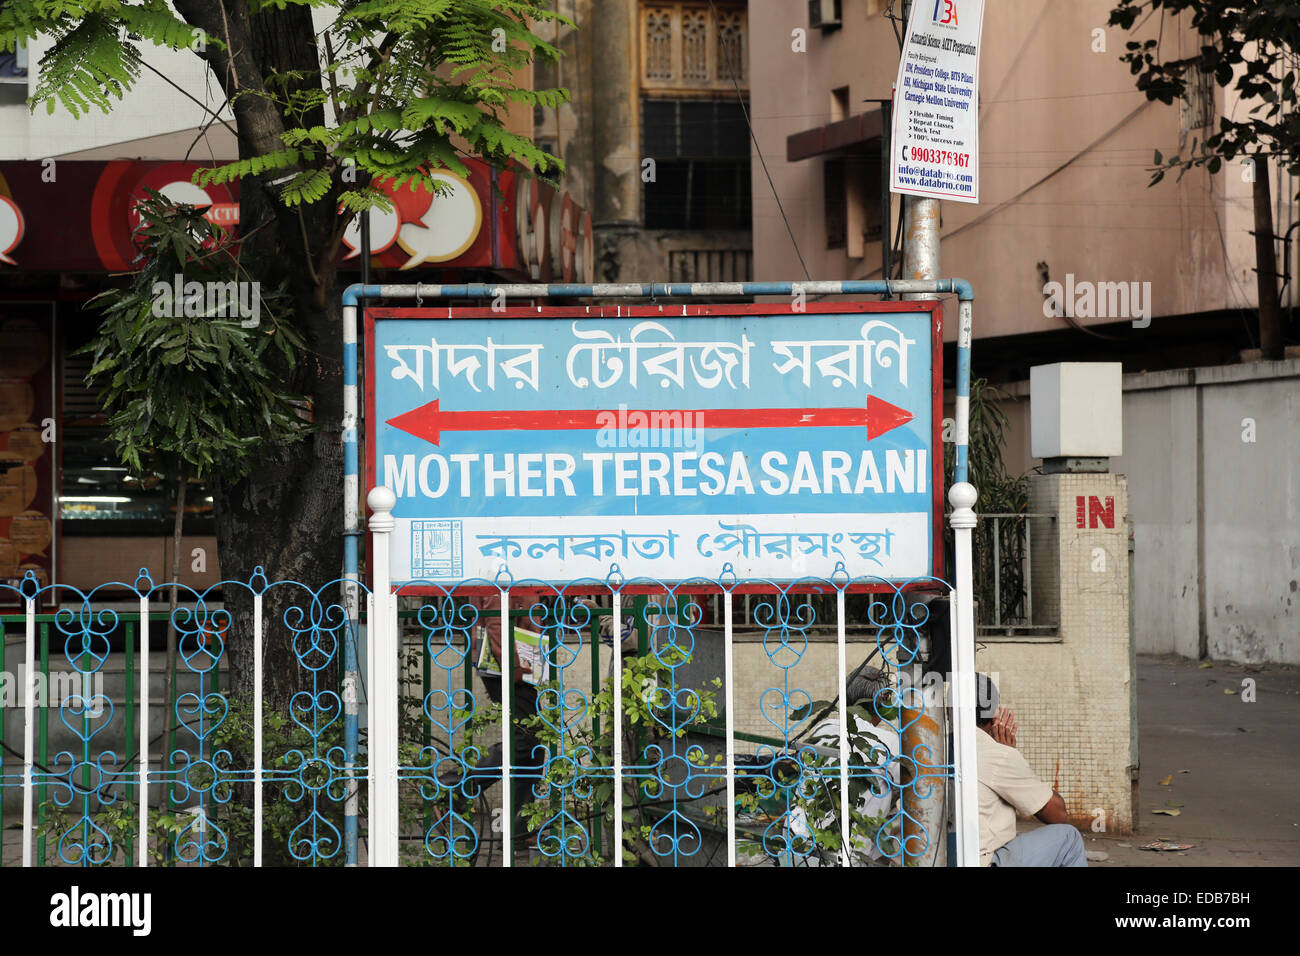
778 447
962 496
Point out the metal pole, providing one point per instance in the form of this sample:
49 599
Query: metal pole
846 830
142 808
918 288
925 736
1029 572
886 209
920 241
997 577
965 777
507 665
29 730
963 496
384 686
351 575
616 692
258 755
729 678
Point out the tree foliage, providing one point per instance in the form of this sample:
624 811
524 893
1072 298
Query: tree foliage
1249 47
402 89
190 380
408 86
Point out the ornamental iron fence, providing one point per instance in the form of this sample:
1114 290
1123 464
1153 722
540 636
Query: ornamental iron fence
227 772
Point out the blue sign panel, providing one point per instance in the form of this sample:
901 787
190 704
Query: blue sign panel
671 440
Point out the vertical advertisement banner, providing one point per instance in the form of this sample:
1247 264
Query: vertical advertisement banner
935 133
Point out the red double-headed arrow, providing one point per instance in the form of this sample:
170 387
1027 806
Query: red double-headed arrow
430 421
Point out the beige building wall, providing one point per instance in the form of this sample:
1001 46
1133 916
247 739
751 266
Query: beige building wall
1066 141
1212 457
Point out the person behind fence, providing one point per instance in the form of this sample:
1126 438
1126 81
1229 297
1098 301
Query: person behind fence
523 692
874 742
1008 786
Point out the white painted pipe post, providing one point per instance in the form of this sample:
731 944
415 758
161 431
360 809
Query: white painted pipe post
921 248
370 754
143 808
616 693
29 734
729 678
846 847
507 664
962 496
257 729
384 687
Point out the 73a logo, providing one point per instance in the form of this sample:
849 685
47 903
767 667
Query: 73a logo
948 9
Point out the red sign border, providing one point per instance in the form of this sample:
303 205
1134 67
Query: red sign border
932 306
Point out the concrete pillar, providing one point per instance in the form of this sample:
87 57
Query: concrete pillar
615 116
1072 698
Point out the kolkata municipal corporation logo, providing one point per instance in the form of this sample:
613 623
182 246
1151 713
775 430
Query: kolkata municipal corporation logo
436 548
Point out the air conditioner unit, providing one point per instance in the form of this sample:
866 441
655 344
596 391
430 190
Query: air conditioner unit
824 14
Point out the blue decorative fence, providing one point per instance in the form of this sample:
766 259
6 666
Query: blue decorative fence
233 779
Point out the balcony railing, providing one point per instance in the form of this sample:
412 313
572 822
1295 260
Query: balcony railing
710 265
1005 568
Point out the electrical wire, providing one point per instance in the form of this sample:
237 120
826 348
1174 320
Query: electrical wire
759 149
1030 188
894 21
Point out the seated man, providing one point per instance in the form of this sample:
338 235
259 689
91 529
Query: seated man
1007 787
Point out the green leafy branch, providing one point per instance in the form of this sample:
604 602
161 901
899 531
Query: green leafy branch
201 388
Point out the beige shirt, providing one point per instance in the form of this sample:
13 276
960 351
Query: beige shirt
1007 787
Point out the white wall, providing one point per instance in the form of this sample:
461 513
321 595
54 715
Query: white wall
153 107
1216 515
1216 519
1160 441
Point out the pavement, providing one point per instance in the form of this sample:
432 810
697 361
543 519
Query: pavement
1231 768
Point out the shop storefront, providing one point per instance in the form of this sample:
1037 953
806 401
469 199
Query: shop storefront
69 511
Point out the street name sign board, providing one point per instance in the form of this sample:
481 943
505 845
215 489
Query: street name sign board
669 440
935 134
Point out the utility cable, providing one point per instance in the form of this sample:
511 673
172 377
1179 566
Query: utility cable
738 55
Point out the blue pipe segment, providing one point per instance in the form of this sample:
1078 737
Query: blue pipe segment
353 294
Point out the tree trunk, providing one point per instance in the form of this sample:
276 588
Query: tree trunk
286 517
287 520
1270 310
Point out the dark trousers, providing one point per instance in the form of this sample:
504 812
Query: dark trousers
523 703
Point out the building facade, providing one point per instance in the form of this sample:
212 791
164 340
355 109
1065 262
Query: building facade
1073 258
654 136
68 186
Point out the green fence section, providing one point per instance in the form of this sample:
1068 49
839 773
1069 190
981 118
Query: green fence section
636 608
129 630
129 626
